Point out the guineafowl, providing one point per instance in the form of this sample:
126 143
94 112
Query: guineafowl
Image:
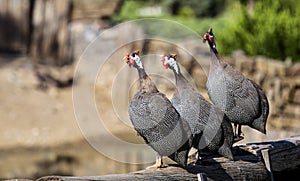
156 120
210 127
242 100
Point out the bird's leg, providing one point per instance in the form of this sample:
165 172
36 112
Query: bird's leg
159 160
237 132
158 163
235 125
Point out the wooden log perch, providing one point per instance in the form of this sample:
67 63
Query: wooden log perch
284 155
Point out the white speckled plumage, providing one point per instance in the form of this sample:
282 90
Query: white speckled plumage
243 101
156 120
210 127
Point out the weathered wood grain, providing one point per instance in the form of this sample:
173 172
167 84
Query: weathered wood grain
284 154
215 171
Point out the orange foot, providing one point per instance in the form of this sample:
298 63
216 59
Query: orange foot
158 164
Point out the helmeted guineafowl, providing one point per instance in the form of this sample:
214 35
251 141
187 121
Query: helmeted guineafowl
156 120
210 127
242 100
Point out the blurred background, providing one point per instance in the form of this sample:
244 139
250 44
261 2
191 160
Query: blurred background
41 43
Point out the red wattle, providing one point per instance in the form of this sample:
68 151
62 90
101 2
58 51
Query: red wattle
165 65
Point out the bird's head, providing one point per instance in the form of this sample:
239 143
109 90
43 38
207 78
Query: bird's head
169 61
133 59
210 38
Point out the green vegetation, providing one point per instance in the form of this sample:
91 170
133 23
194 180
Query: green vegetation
271 29
185 16
182 8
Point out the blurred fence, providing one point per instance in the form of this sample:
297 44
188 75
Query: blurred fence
38 28
15 25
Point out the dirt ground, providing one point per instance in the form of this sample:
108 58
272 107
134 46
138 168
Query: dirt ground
29 115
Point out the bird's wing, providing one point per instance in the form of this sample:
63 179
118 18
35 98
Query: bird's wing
158 122
243 92
139 113
193 108
153 116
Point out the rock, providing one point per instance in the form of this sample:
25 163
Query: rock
159 47
95 8
186 60
243 63
295 96
292 110
294 70
259 78
200 76
57 76
271 67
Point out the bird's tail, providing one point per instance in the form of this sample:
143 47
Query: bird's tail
225 150
228 137
260 122
181 155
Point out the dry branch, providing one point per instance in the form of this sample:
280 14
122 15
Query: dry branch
248 165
